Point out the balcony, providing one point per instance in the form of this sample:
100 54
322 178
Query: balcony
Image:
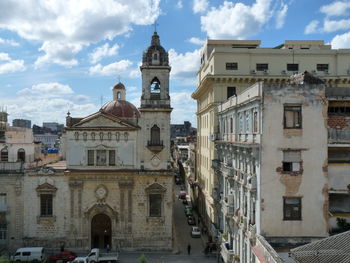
226 253
228 171
215 164
251 231
227 209
338 136
11 167
155 146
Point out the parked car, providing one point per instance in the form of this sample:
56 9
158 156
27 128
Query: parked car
188 212
182 194
29 254
188 207
80 260
63 256
178 180
195 232
95 256
191 220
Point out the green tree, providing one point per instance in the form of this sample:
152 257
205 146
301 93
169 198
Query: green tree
142 259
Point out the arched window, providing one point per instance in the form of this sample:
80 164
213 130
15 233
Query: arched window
4 155
155 56
21 155
155 85
119 95
155 135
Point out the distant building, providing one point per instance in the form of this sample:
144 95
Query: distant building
182 130
48 140
22 123
53 126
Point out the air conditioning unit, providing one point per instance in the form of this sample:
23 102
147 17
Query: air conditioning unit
284 72
314 71
266 71
253 71
326 71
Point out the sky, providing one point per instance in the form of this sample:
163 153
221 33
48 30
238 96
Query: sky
58 56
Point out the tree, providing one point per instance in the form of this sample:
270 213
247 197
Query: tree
142 259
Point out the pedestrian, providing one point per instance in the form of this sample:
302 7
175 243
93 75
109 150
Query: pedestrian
188 249
199 220
108 248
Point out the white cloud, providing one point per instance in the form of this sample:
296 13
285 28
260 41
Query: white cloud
103 51
59 53
179 4
196 41
48 102
333 25
311 27
341 41
184 107
184 66
337 8
200 6
46 90
9 42
10 65
74 22
281 16
120 67
236 20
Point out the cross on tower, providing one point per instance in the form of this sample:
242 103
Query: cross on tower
155 24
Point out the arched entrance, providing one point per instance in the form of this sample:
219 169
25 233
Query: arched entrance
21 155
101 231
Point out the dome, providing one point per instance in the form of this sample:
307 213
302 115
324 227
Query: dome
120 109
155 48
119 86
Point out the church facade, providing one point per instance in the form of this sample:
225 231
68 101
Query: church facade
115 188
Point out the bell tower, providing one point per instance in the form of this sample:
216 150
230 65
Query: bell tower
155 71
155 107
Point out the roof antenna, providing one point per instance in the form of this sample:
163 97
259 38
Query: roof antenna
155 24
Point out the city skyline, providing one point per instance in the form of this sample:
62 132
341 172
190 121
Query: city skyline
58 57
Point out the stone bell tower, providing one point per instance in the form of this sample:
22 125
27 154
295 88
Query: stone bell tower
155 71
155 106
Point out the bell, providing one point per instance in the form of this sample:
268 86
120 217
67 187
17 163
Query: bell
156 86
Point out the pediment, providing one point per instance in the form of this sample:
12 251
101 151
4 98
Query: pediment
100 119
46 187
155 188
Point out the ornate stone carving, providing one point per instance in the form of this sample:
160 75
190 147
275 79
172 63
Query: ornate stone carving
101 193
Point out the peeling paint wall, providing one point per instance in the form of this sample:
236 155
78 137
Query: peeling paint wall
310 182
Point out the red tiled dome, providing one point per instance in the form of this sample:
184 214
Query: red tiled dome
119 86
121 109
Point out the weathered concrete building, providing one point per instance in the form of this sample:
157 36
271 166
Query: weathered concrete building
276 181
227 68
115 187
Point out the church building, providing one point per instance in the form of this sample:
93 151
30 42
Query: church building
115 187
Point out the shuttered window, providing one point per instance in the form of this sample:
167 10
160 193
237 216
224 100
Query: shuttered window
291 161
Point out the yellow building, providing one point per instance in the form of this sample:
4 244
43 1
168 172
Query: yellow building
230 66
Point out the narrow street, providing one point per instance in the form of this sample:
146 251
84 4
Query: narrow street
182 238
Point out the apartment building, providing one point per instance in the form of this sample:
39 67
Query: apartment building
281 167
227 68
